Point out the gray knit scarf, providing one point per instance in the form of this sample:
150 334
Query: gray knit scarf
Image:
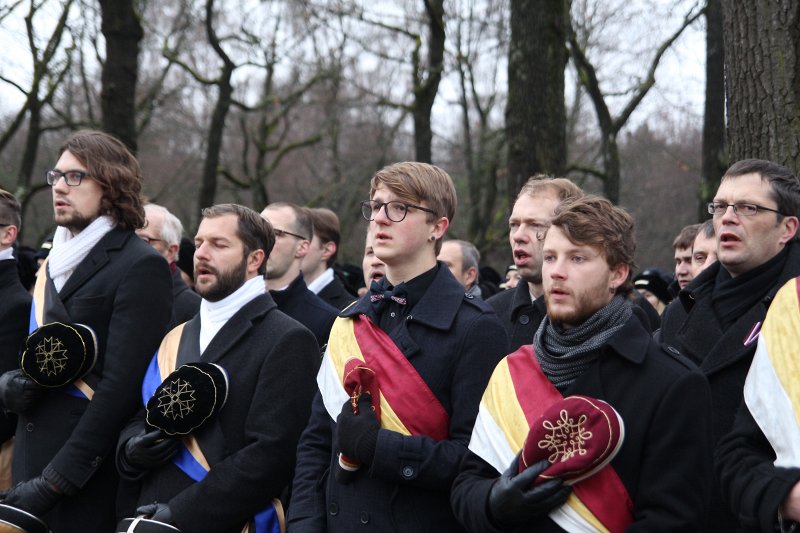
565 354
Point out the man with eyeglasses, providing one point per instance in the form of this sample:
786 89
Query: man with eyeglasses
293 232
716 319
100 275
521 310
163 231
401 380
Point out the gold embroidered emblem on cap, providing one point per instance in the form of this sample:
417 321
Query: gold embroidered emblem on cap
177 399
51 356
566 438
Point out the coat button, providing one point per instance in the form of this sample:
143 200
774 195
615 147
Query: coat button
364 517
524 319
392 314
333 508
29 427
408 472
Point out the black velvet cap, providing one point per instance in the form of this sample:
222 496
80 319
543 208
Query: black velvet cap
187 398
57 354
14 520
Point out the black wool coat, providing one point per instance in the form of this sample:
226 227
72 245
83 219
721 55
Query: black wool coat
186 301
690 326
307 308
454 342
519 315
271 361
665 459
122 290
335 294
15 309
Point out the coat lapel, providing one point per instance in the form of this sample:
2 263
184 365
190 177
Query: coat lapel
237 327
737 343
95 260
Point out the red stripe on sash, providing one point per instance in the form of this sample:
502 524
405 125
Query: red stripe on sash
400 383
535 393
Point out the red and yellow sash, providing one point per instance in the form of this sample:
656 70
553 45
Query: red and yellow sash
407 405
517 394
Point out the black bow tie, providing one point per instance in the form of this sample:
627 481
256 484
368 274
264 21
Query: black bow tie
378 296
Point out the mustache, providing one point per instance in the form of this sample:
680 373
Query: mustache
207 267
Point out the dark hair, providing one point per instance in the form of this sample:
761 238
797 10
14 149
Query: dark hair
115 169
254 230
10 210
707 229
302 219
685 238
785 187
326 227
594 221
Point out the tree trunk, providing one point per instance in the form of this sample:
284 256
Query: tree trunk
762 43
535 113
425 91
123 33
714 150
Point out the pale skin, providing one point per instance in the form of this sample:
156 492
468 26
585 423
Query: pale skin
152 231
407 248
529 218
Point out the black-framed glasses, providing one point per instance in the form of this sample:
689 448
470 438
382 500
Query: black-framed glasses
72 177
395 210
743 210
281 232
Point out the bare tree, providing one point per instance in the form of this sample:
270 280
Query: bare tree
611 126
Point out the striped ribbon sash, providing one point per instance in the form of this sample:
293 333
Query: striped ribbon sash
78 388
407 405
190 458
517 394
772 387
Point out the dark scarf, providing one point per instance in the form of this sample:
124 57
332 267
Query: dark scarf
565 353
732 297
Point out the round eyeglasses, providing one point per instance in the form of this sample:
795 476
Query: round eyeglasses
395 210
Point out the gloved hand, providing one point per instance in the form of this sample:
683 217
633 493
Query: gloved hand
513 500
156 511
37 496
19 393
147 450
358 433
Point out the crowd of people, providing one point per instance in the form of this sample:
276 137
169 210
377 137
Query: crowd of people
239 380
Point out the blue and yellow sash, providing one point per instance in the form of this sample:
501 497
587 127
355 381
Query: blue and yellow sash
78 388
190 458
517 394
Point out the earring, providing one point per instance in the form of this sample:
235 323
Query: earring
433 238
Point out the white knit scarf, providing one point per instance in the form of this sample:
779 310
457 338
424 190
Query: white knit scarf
68 251
214 315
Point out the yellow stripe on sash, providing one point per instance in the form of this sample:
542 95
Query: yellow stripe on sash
168 351
343 346
194 448
781 333
507 414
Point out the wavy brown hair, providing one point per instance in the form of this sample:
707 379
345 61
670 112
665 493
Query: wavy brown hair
110 164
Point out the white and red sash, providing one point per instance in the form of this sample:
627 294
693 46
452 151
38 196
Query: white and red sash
517 394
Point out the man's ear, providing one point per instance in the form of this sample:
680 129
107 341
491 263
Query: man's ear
8 235
472 276
302 249
172 252
328 249
789 229
439 227
619 274
255 260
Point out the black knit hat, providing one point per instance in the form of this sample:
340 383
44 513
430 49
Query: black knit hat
652 280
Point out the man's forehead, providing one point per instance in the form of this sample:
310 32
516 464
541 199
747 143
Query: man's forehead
735 187
541 204
681 252
223 226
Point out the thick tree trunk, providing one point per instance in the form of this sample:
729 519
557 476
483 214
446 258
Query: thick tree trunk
425 91
715 158
123 33
762 47
535 113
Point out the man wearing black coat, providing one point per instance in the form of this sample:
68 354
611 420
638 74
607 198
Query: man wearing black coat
163 231
16 302
318 264
716 319
533 209
101 275
440 345
293 233
270 361
590 344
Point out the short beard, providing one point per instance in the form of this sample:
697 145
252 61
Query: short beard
77 223
228 282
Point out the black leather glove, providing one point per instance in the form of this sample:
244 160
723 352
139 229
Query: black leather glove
156 511
37 496
513 500
147 450
18 392
358 433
